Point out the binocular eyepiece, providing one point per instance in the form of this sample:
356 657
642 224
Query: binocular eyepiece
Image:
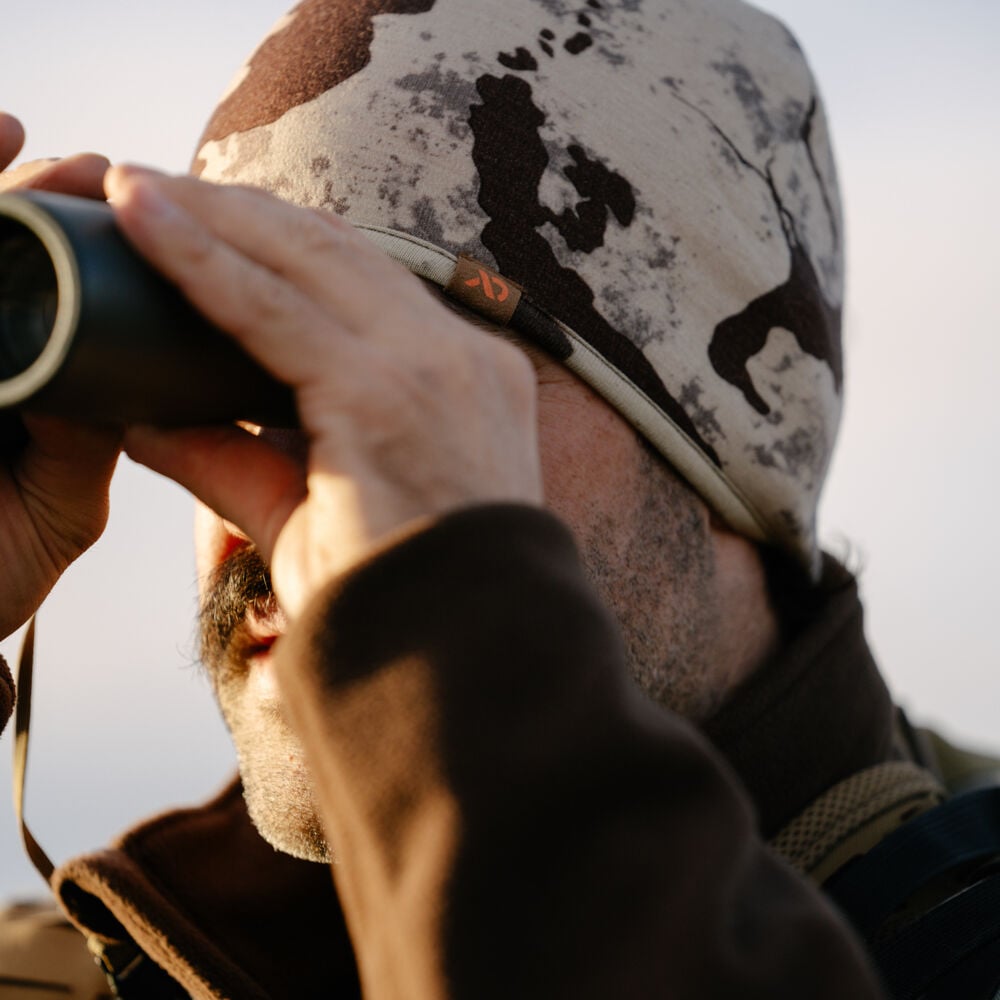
91 332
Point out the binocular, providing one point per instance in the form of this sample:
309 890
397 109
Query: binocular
91 332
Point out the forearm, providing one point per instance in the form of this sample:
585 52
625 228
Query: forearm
510 817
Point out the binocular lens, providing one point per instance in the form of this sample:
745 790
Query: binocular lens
28 298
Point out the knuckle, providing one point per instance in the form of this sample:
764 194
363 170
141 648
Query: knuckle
268 297
313 235
199 248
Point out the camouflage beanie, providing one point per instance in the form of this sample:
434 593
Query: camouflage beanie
645 188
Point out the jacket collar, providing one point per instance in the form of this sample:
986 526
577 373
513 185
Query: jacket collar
276 926
816 713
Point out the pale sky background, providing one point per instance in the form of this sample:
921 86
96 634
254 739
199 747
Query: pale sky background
124 724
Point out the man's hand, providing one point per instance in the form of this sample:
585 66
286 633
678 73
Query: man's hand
408 411
54 490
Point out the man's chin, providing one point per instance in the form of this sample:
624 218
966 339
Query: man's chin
293 831
279 797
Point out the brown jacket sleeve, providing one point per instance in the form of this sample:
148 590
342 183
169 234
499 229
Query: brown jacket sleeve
511 818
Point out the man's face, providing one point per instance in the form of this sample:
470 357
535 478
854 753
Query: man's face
240 623
644 540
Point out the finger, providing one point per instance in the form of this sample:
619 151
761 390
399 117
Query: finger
11 139
22 175
82 174
320 253
243 478
281 327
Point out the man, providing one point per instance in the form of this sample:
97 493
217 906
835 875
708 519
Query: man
433 699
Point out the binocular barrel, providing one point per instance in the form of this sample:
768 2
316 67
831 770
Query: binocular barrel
89 331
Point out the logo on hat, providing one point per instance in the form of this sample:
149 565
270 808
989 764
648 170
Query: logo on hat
492 286
481 289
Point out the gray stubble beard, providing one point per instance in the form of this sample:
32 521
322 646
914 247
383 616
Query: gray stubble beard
658 578
277 786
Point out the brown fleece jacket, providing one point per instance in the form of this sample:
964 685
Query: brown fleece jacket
512 818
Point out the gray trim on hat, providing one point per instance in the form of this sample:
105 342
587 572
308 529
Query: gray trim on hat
434 264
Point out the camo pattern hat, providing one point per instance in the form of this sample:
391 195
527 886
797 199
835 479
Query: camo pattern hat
645 187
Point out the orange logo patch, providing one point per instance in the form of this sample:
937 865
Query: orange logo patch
493 287
484 291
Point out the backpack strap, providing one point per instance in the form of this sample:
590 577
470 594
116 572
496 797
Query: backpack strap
961 831
951 953
927 900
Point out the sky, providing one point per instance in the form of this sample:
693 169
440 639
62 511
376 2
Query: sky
124 725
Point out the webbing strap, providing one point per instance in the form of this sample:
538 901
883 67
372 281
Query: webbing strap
22 723
939 948
962 830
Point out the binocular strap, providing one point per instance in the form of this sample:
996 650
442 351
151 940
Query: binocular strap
22 724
